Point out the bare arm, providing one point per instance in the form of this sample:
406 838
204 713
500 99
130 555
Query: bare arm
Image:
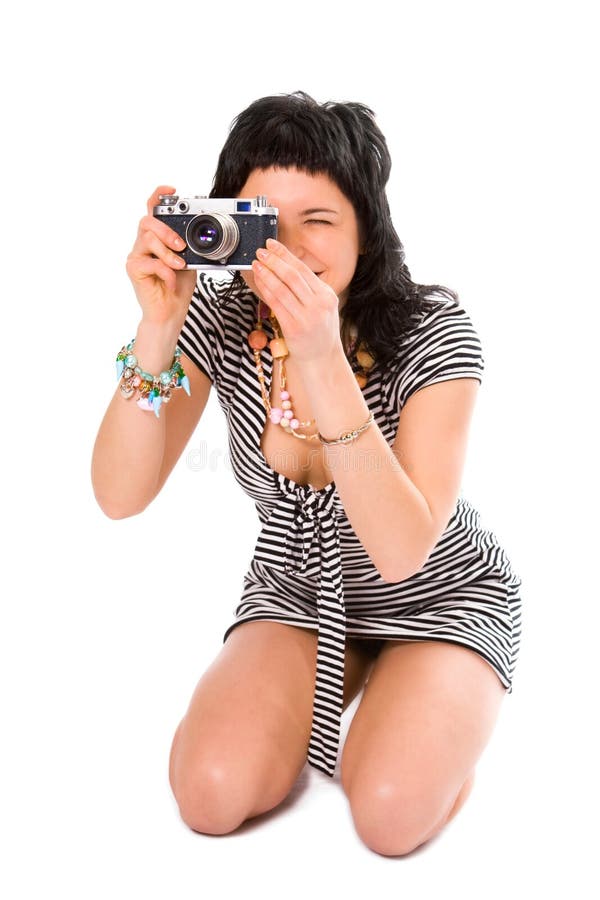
135 450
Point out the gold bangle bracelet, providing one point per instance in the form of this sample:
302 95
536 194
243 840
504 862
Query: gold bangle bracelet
347 436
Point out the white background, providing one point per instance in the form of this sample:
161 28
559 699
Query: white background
489 112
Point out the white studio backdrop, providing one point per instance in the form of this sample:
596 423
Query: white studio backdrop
488 110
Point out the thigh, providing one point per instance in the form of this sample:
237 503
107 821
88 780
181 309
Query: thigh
244 737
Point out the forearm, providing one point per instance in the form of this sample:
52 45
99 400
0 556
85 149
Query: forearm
389 514
129 447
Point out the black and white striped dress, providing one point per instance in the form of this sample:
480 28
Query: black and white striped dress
308 567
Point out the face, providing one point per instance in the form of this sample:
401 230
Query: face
316 223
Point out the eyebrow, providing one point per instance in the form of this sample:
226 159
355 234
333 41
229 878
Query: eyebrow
307 212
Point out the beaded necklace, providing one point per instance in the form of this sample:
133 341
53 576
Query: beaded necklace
284 415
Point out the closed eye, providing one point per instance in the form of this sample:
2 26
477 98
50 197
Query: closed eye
320 221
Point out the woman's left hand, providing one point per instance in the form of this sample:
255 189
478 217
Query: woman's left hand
307 308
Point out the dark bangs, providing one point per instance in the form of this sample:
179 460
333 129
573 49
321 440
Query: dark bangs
342 141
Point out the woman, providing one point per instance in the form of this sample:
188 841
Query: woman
348 392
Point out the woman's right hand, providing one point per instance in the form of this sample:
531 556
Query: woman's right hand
162 286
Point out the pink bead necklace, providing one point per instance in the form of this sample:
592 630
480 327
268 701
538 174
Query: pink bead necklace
284 415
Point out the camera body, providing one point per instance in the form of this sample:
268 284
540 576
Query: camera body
219 233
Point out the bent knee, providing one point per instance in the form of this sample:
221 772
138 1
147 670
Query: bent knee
211 800
393 822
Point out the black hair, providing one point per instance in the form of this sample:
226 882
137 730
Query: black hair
342 141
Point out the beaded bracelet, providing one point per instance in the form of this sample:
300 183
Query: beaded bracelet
152 390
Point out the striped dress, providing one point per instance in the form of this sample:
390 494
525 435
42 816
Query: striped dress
308 567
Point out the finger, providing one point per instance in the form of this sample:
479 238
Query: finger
275 293
140 267
151 243
280 252
153 200
166 234
282 278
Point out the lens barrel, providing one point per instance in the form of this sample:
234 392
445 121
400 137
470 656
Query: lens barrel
212 236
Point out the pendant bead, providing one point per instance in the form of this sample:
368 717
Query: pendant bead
365 359
278 348
257 339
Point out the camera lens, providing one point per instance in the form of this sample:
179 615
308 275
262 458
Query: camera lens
207 235
213 236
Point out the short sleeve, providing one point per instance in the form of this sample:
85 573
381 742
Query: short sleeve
202 335
443 346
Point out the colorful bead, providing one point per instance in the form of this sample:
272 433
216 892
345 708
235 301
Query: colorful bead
257 339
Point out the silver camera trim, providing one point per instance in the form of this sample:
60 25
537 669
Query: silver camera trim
210 205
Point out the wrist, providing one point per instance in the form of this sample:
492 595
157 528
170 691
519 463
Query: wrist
155 345
328 371
160 332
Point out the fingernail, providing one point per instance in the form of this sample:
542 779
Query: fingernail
262 254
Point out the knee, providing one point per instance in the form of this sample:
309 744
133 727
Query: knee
210 799
390 820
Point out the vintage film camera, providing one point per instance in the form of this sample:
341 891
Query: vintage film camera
219 233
